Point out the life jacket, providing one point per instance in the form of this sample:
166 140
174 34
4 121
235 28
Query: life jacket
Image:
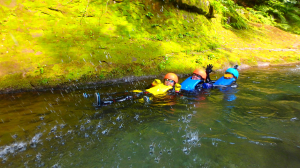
159 89
189 84
224 82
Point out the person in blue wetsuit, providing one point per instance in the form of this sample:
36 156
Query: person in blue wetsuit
229 79
196 81
170 85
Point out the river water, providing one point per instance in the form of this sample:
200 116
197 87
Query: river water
254 125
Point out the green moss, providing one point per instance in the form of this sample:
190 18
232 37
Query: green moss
49 43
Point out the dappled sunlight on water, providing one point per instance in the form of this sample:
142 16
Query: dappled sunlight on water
253 125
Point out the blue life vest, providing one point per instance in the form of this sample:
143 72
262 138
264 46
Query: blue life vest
189 84
224 82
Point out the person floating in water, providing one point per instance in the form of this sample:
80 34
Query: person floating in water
229 79
198 78
170 85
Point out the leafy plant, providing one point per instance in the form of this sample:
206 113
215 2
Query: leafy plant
162 65
212 56
201 49
44 81
41 68
149 15
232 12
213 46
180 35
154 25
138 71
199 60
159 37
284 12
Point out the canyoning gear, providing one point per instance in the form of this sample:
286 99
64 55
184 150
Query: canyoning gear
233 71
200 72
227 76
189 84
224 82
177 87
156 82
193 84
171 76
98 100
137 91
208 70
159 89
197 75
207 85
169 80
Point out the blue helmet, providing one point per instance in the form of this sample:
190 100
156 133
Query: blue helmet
233 71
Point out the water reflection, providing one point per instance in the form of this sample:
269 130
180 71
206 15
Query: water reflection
253 125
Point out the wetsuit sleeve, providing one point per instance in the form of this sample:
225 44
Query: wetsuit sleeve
208 70
120 99
208 80
199 85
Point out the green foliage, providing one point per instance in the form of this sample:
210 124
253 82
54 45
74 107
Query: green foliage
149 15
154 25
44 81
41 68
163 64
184 35
81 41
232 14
201 49
159 37
199 60
212 56
213 46
284 12
138 71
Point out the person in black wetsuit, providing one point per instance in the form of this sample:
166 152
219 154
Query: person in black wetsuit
170 85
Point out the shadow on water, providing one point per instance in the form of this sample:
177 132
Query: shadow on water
253 125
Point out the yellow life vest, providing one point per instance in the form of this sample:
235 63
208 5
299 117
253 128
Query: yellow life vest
159 89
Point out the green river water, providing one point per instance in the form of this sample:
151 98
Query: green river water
254 125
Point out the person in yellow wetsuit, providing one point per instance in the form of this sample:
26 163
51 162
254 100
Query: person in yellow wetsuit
170 85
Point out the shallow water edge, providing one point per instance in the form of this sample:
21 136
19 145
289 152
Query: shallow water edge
79 85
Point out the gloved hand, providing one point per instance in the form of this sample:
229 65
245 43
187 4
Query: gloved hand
156 82
177 87
236 67
208 69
